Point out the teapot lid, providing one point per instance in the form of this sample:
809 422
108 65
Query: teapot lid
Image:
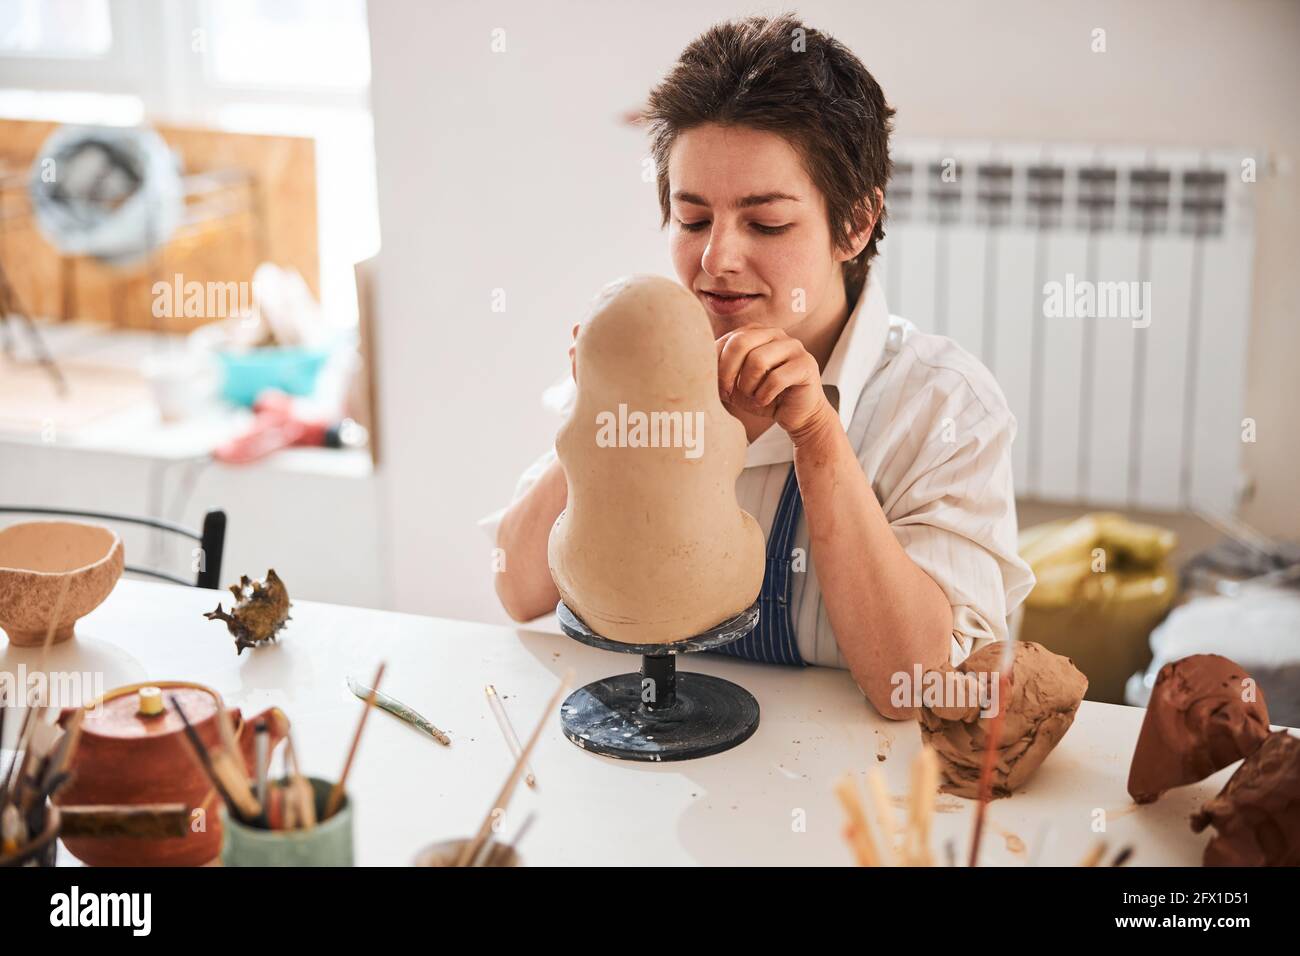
126 711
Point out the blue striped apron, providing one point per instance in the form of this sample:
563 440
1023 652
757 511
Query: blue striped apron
773 640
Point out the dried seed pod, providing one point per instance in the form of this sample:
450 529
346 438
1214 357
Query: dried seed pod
261 608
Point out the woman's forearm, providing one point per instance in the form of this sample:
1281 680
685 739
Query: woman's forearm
523 579
887 614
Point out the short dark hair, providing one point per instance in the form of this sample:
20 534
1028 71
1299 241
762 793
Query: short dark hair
779 75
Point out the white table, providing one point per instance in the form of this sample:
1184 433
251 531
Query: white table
740 807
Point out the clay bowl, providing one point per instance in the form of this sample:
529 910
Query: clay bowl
37 560
447 852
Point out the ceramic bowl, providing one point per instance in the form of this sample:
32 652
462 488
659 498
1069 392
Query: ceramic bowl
37 560
447 852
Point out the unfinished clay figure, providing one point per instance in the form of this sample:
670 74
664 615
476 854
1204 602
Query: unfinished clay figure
1205 712
652 546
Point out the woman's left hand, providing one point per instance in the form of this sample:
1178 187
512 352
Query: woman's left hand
767 373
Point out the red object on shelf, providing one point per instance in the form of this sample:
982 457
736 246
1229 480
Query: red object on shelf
275 425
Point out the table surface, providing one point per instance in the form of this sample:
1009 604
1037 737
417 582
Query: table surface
768 801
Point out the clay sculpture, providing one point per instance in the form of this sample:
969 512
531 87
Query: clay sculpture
1040 702
49 568
652 546
1205 713
1257 814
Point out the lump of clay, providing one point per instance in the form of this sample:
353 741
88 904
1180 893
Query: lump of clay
1044 693
652 546
1257 814
1204 714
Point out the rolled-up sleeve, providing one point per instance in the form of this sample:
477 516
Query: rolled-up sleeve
955 516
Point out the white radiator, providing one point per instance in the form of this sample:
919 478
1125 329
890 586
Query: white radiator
1000 247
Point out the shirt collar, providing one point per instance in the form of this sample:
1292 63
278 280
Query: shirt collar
852 363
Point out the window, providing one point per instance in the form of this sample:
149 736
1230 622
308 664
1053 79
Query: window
295 67
55 28
289 44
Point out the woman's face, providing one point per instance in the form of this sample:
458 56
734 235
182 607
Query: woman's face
748 230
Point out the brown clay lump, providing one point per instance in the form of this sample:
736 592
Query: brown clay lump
1257 814
1205 713
1044 694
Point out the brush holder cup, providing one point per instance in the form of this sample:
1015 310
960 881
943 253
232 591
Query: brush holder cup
328 843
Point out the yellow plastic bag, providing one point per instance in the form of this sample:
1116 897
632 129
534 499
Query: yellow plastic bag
1103 583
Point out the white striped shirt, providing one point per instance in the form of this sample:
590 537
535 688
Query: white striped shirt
933 434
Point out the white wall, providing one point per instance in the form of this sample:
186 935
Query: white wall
510 170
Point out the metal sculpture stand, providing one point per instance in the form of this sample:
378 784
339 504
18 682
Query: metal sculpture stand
658 714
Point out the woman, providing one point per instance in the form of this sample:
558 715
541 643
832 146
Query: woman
879 462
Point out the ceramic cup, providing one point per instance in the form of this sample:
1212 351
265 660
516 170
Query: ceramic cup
446 852
326 844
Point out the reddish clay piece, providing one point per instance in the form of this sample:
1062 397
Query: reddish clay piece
1257 814
1205 713
127 758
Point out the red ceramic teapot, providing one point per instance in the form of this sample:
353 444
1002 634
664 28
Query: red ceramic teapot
126 756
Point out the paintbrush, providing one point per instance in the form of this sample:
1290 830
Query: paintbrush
23 748
42 738
472 848
523 829
17 757
227 730
925 781
261 755
1044 836
204 759
54 619
67 745
51 772
25 754
858 829
300 792
336 792
884 814
1093 856
1005 663
230 771
507 729
13 832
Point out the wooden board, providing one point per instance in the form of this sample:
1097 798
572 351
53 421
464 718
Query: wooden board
284 168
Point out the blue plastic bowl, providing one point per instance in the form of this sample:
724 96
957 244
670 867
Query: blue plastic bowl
246 374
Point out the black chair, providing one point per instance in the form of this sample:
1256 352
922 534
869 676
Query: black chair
212 540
